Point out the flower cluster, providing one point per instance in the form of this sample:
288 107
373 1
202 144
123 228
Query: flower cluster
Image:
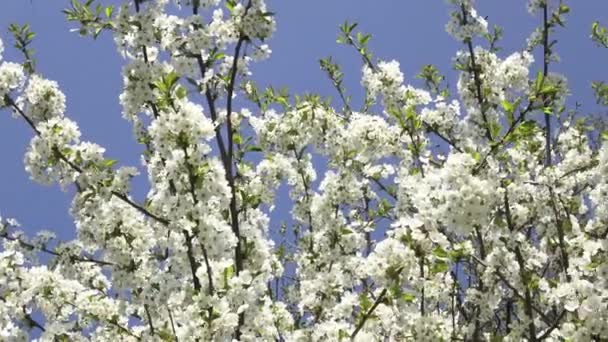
11 78
465 23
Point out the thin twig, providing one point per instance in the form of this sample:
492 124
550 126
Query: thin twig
368 314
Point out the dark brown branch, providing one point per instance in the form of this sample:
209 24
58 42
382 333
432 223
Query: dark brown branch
298 157
504 280
502 140
52 252
32 322
442 136
553 326
522 273
368 314
560 234
477 78
461 308
192 261
213 111
422 295
234 214
149 319
230 137
172 324
76 168
194 264
546 57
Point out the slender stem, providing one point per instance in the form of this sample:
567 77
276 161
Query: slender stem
213 112
527 295
368 236
230 137
443 137
560 235
195 5
32 322
383 187
172 324
193 263
52 252
461 308
477 78
149 319
522 273
508 314
298 157
337 83
368 314
453 310
422 295
234 214
108 321
480 284
502 278
192 181
546 57
504 138
553 326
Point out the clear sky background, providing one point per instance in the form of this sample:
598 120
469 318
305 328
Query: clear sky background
410 31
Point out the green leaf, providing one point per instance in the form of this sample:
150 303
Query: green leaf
96 32
599 34
549 90
460 67
557 19
230 4
364 302
525 130
345 231
440 267
534 283
171 79
109 10
508 106
218 56
109 162
343 335
254 148
227 274
538 83
476 156
363 38
440 253
495 128
566 226
601 92
408 297
165 335
181 92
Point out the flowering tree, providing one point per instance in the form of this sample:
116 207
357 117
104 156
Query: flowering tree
493 201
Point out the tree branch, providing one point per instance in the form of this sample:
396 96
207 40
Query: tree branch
368 314
477 78
52 252
546 57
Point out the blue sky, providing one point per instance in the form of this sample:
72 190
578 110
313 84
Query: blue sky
410 31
